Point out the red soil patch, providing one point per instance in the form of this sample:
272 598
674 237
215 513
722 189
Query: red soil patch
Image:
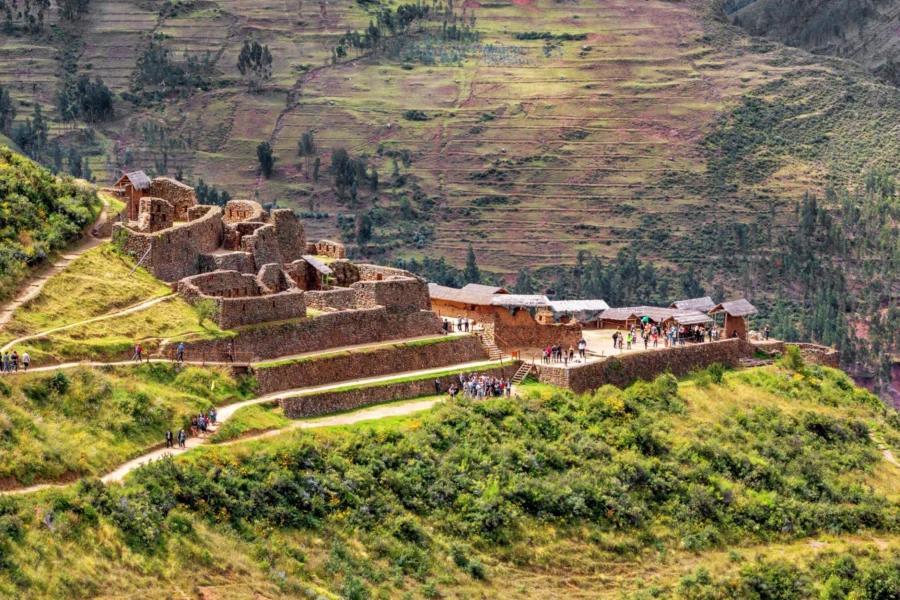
471 4
523 2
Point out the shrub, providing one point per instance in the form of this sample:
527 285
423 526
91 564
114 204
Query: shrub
716 372
206 309
793 359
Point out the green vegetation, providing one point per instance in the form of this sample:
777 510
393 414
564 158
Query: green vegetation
95 284
86 422
327 355
250 420
39 216
489 497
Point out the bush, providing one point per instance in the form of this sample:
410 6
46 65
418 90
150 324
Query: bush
793 359
206 309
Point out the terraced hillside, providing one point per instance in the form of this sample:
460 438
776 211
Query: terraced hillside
595 136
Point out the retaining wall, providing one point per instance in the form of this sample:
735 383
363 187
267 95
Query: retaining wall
326 331
406 293
623 370
338 401
371 362
812 353
335 298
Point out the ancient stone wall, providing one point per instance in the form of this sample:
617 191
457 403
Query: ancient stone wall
628 368
333 299
263 245
226 284
104 229
519 329
323 332
195 212
377 273
813 354
176 251
369 362
271 279
338 401
238 312
291 234
345 273
155 214
406 294
235 232
330 249
244 210
241 262
179 195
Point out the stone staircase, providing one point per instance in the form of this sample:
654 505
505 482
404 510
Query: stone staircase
522 373
494 353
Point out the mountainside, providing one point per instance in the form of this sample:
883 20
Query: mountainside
861 30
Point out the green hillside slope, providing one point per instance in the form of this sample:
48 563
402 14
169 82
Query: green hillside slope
770 478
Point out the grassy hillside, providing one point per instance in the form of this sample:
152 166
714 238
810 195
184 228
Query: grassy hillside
690 489
39 216
86 422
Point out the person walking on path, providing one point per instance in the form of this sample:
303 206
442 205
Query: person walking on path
138 350
170 439
182 437
15 361
26 360
212 415
179 353
582 348
767 331
437 387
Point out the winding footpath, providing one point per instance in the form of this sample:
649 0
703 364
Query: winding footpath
87 242
226 412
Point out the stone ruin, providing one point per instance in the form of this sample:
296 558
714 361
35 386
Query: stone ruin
255 265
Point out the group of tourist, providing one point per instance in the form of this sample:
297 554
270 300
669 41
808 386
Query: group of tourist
557 354
478 387
12 361
460 325
651 335
200 425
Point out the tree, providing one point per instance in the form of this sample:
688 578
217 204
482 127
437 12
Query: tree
316 166
206 309
7 111
524 283
73 10
472 274
306 148
363 229
344 171
75 162
266 159
255 64
689 284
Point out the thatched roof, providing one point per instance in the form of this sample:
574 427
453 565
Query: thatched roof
578 305
449 294
138 179
735 308
655 313
318 264
691 317
703 304
618 314
520 301
484 289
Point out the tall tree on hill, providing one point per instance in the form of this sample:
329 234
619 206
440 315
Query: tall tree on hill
7 111
472 274
363 229
524 283
255 64
266 158
306 148
344 171
73 10
689 284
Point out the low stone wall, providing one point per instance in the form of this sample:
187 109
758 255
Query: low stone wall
333 299
105 229
369 272
330 249
238 312
179 195
338 401
814 354
372 362
628 368
405 293
242 262
326 331
244 210
175 251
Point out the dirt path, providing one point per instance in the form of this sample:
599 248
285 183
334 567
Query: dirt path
888 455
36 285
226 412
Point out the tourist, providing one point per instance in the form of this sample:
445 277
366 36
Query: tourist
467 325
229 352
26 360
179 353
452 391
629 338
5 365
616 339
213 415
138 349
566 361
182 437
767 331
655 336
15 361
459 326
571 353
508 388
437 387
734 333
169 438
194 426
646 339
582 348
